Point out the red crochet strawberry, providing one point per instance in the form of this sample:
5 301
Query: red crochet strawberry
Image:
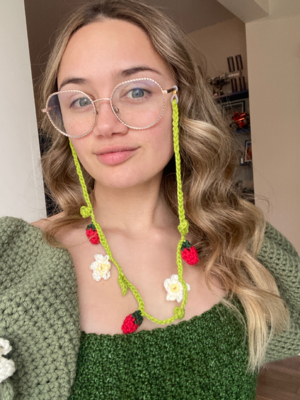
189 253
132 322
92 234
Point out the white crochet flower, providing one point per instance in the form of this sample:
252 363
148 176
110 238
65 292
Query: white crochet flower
174 288
7 367
100 267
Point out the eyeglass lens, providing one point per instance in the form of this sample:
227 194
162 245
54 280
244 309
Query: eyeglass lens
138 104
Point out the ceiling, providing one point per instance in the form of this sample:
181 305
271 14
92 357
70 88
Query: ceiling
45 17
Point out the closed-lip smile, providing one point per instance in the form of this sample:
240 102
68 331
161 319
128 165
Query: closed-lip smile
115 149
114 155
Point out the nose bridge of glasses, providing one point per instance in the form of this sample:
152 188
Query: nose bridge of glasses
103 99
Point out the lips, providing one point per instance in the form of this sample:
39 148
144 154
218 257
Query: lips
115 155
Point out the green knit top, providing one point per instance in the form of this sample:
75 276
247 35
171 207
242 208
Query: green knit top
203 358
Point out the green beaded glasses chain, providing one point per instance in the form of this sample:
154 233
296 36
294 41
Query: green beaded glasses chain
138 104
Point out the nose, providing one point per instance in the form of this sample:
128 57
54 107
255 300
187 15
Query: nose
107 124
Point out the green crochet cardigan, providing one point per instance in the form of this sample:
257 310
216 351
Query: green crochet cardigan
203 358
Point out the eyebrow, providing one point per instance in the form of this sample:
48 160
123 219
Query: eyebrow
134 70
77 81
125 73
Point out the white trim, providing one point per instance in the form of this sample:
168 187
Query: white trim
247 10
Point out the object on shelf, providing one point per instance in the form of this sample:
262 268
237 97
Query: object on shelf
248 151
220 81
232 97
240 121
234 114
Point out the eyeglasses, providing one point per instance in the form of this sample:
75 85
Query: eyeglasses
137 103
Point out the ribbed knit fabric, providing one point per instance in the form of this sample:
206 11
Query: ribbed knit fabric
40 318
203 358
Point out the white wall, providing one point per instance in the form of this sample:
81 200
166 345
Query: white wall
248 10
219 41
273 49
21 185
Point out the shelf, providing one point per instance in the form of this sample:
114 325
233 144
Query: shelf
241 131
244 94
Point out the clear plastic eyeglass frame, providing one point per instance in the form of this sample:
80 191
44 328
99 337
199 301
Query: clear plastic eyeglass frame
172 90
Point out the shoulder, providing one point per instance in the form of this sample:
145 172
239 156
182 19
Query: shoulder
274 238
38 300
11 227
64 232
24 251
44 222
16 231
20 245
281 259
17 238
276 249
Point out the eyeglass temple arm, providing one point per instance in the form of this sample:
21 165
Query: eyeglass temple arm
174 89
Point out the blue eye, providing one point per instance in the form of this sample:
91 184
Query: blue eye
82 102
136 93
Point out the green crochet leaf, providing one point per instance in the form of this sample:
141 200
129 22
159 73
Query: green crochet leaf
122 284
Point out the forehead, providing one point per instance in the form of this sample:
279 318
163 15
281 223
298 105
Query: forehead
104 48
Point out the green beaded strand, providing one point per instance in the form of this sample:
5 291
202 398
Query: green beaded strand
87 211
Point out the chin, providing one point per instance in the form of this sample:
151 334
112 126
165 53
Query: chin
124 181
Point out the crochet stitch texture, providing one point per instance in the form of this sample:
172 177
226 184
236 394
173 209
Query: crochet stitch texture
203 358
40 318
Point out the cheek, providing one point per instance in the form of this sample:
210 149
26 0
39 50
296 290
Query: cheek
163 138
165 141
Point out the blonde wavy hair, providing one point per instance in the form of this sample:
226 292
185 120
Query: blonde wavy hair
227 229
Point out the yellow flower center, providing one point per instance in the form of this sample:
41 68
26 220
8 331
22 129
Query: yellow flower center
102 267
174 287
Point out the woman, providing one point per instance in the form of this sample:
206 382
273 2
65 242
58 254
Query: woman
121 175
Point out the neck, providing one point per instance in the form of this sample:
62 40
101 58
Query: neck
135 210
